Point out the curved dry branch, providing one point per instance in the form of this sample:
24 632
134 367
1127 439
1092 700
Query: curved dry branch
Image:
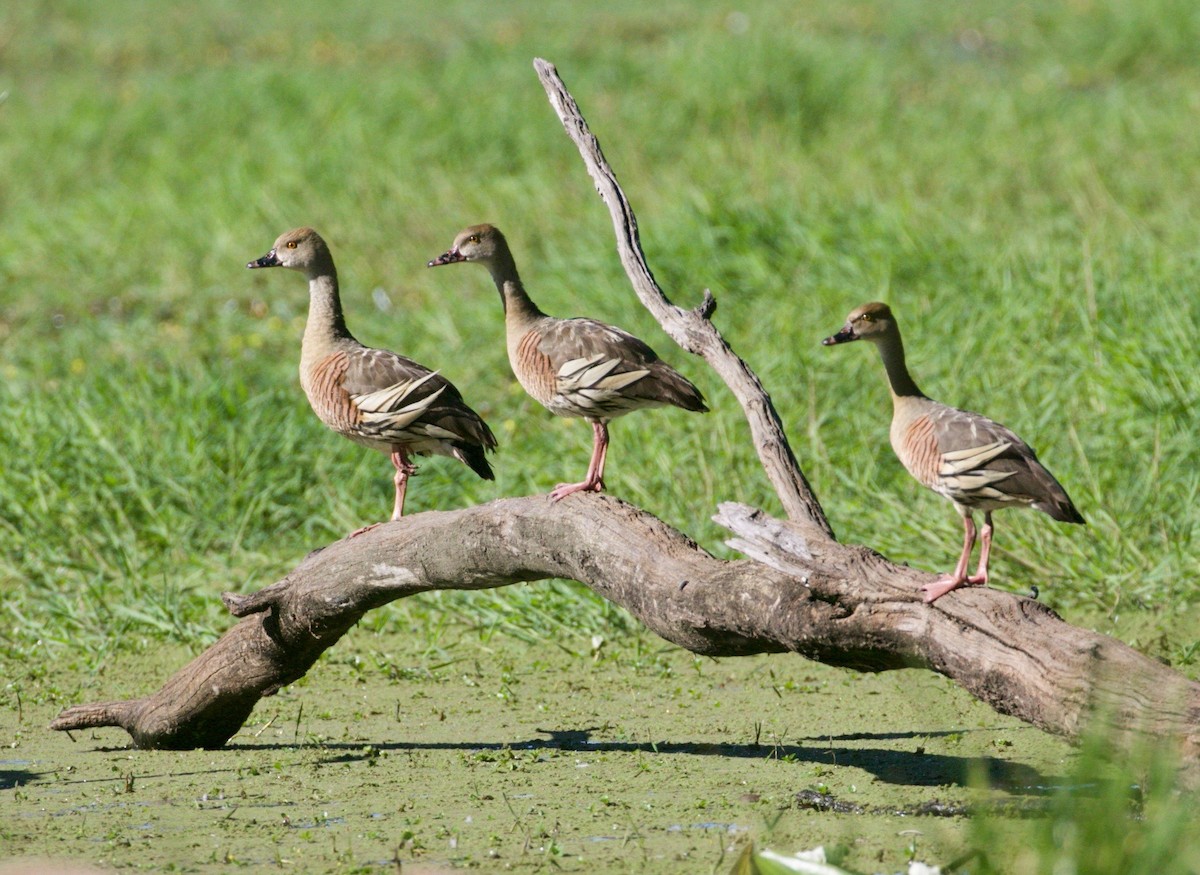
691 329
842 605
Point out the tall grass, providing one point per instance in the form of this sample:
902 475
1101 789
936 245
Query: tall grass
1017 182
1117 814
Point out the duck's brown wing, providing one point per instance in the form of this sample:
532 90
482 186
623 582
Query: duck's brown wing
405 403
601 371
983 464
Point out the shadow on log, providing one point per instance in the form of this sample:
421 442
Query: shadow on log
800 591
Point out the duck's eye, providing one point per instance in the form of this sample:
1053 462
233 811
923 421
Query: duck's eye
474 238
291 244
866 317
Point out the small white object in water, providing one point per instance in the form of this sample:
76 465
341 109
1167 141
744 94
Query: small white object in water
922 869
806 862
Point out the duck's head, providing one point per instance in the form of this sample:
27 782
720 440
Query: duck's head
872 321
477 243
300 249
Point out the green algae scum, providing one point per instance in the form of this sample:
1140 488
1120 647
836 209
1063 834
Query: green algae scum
511 757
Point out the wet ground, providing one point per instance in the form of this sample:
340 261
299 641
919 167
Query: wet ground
500 756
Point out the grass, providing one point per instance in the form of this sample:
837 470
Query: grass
1017 182
1112 814
1016 186
1116 814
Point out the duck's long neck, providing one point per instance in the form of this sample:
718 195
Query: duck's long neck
326 325
519 309
891 350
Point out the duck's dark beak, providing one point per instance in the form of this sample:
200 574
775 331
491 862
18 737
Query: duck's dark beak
844 336
268 260
450 256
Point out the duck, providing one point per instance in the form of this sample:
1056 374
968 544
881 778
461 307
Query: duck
376 398
577 367
974 462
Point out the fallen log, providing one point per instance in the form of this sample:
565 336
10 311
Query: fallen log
841 605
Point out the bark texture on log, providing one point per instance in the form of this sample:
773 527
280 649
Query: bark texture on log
1011 652
841 605
800 591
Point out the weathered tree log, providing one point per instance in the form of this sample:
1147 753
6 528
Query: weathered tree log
841 605
800 591
1011 652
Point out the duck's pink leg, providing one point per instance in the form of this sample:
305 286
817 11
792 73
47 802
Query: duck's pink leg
594 482
404 468
949 582
980 577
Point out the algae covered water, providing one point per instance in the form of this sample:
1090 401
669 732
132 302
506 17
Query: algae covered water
503 756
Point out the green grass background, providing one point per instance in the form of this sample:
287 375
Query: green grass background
1019 180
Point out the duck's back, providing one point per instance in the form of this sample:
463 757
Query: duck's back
381 399
586 368
974 461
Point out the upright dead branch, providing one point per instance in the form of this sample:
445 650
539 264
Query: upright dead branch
801 591
691 329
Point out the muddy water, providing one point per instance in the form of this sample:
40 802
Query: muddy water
500 756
